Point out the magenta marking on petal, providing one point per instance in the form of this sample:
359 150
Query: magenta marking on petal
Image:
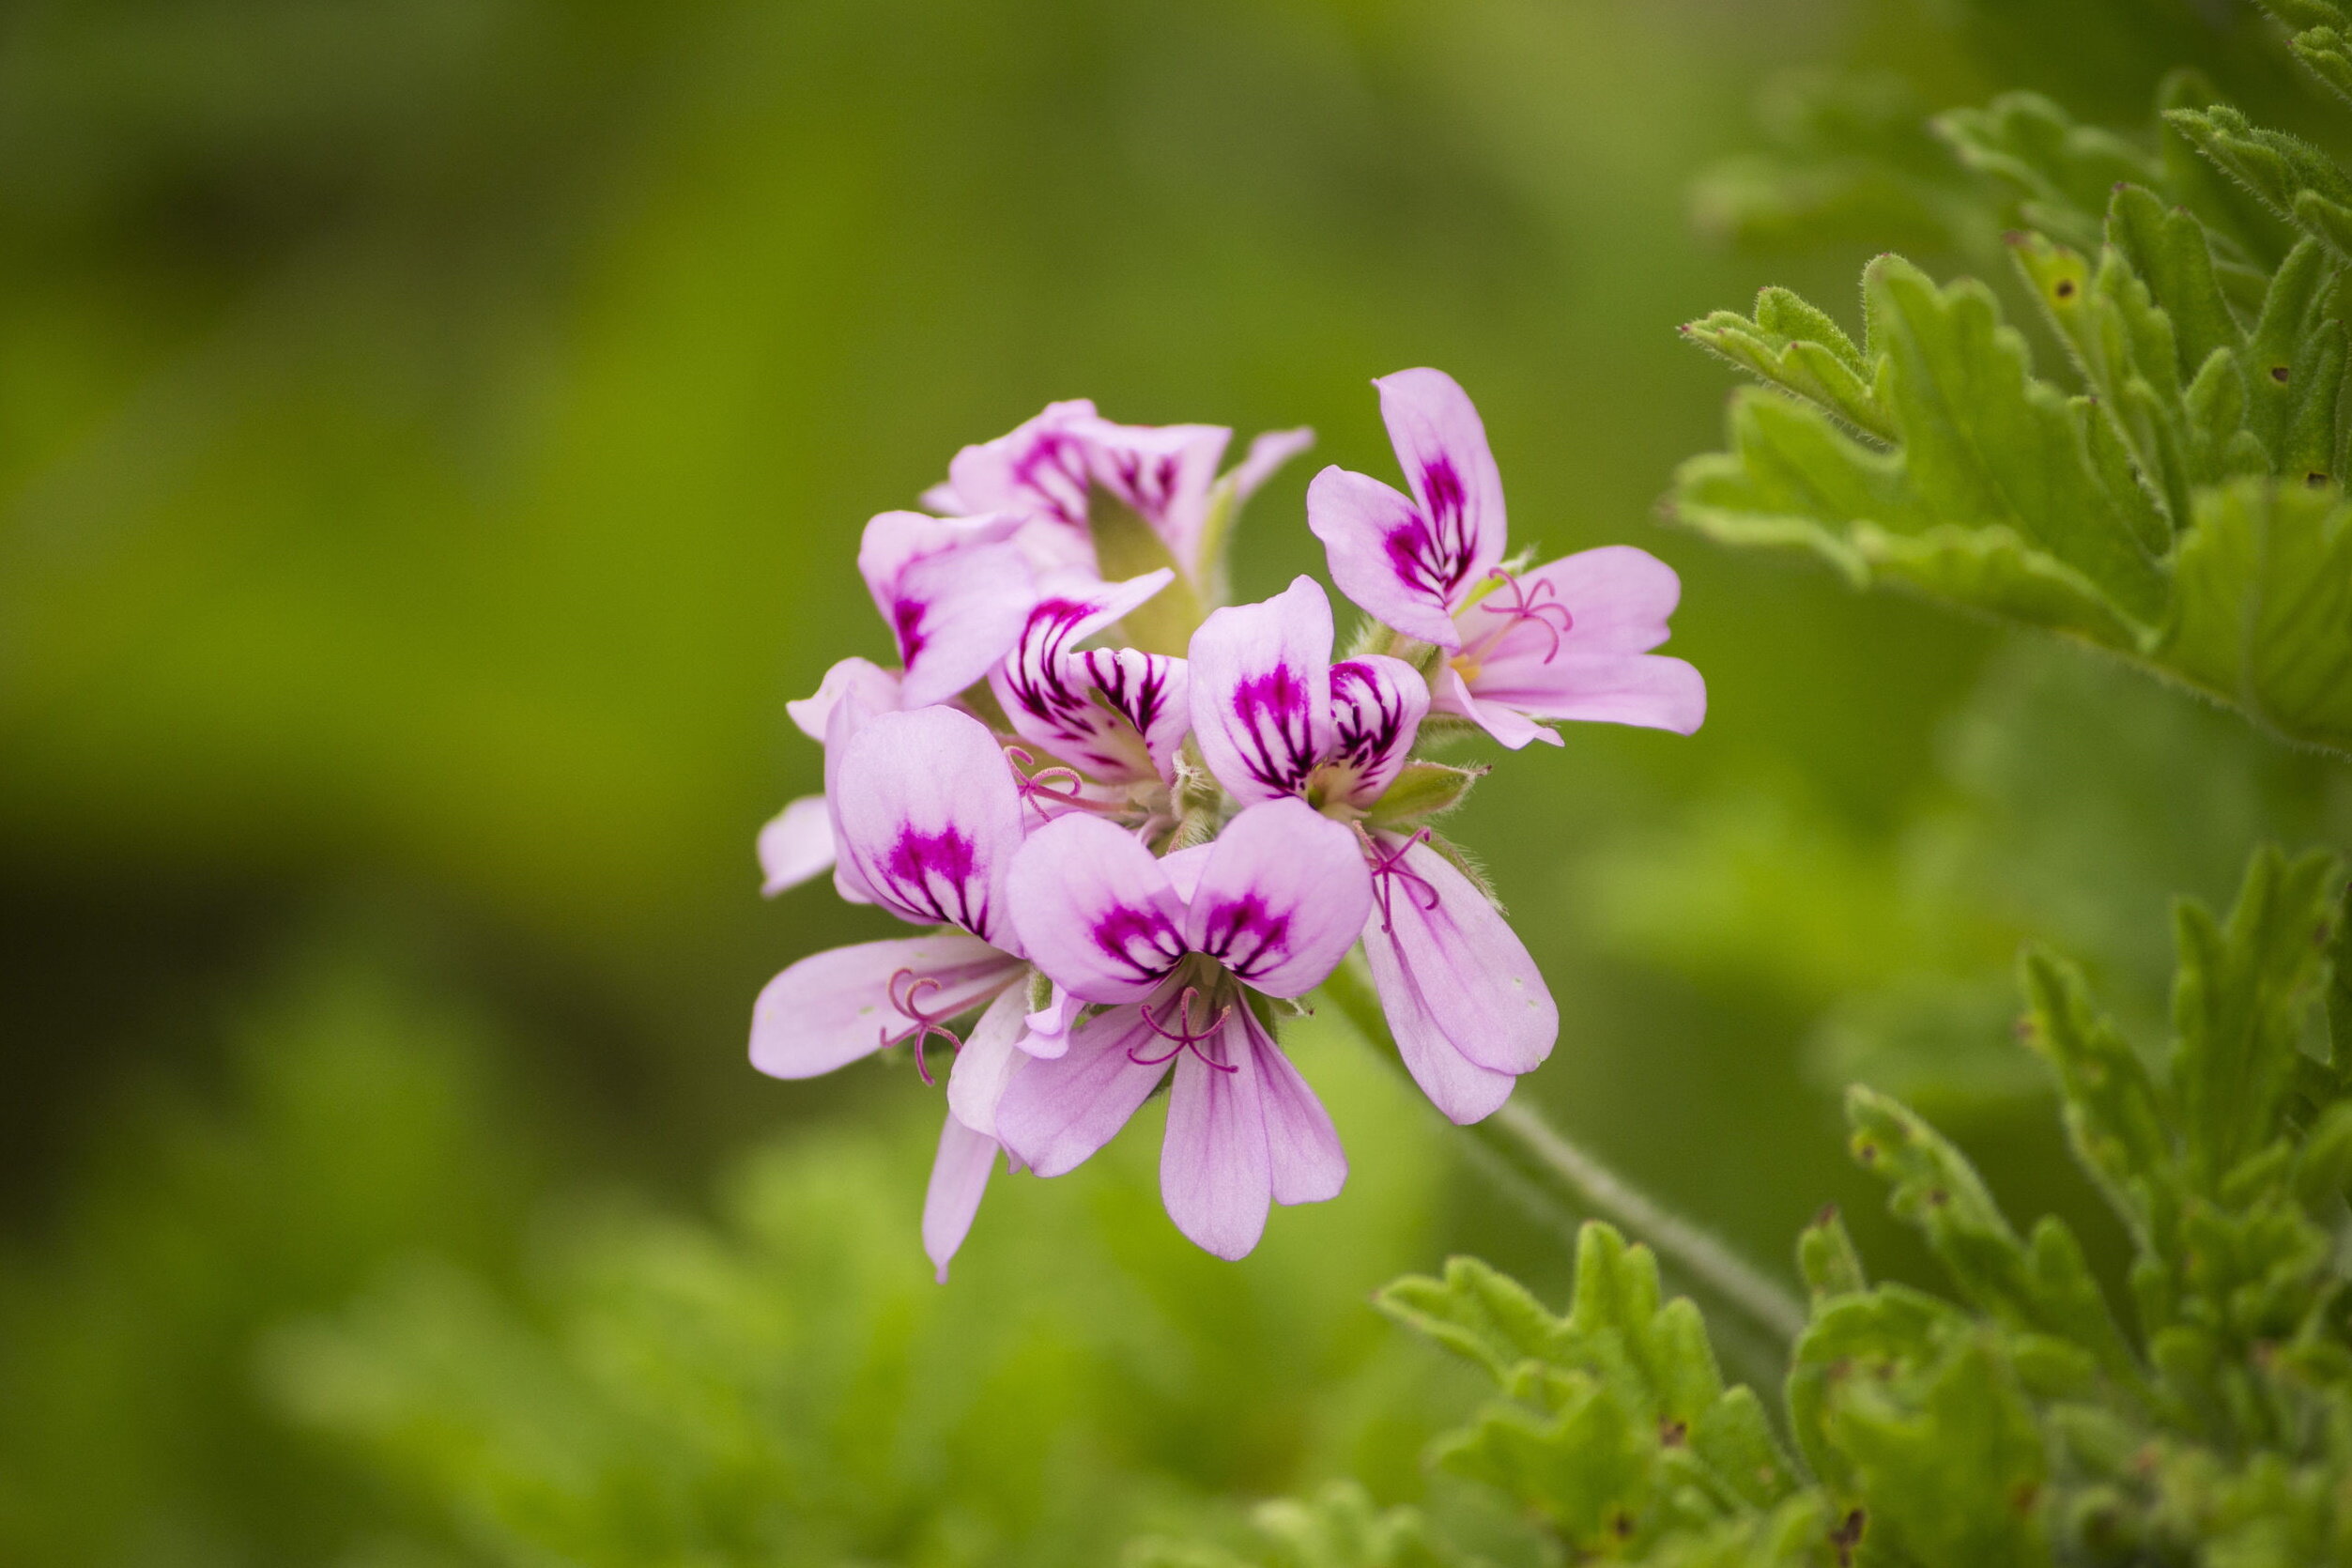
932 871
1246 935
1136 692
1368 716
906 622
910 1005
1037 673
1442 488
1055 471
1144 481
1274 713
1432 552
1144 941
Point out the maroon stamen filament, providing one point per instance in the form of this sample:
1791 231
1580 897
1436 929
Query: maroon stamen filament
1388 865
909 1003
1538 605
1183 1033
1033 786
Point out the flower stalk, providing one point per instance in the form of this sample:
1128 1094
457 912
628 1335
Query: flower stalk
1572 1178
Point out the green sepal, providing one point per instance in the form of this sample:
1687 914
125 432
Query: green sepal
1126 546
1423 790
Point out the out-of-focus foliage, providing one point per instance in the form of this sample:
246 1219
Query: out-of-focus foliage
2020 1423
790 1385
2185 508
432 442
364 1127
785 1385
2074 800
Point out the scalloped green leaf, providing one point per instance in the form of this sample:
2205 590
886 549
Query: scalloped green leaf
2243 989
2262 610
2294 179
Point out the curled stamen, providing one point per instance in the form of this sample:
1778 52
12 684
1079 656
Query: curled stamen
1388 865
1538 605
1061 785
908 1005
1183 1033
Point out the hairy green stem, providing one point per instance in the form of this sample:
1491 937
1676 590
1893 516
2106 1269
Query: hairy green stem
1570 1177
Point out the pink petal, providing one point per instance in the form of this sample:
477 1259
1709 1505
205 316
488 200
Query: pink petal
987 1062
1261 691
1650 690
926 810
1506 724
1378 704
1618 599
959 1179
861 684
1282 895
894 541
861 691
1095 911
1055 695
955 616
1039 471
1574 649
1057 1112
1216 1175
1151 692
1047 1030
1462 1091
1470 977
796 844
1303 1148
1441 444
1371 536
1267 452
831 1008
1162 473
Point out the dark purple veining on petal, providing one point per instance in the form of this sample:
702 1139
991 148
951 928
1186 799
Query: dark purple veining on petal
1246 935
1368 718
906 620
1146 482
937 875
1134 686
1274 711
1039 675
1053 470
1433 551
1143 942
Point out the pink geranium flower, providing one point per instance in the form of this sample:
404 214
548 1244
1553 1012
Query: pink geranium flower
1173 949
1046 469
1274 716
927 814
1566 640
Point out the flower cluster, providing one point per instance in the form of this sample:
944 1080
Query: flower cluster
1138 828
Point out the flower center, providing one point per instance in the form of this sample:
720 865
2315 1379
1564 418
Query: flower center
1174 1019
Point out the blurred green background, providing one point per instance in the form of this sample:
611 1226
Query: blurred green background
432 442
